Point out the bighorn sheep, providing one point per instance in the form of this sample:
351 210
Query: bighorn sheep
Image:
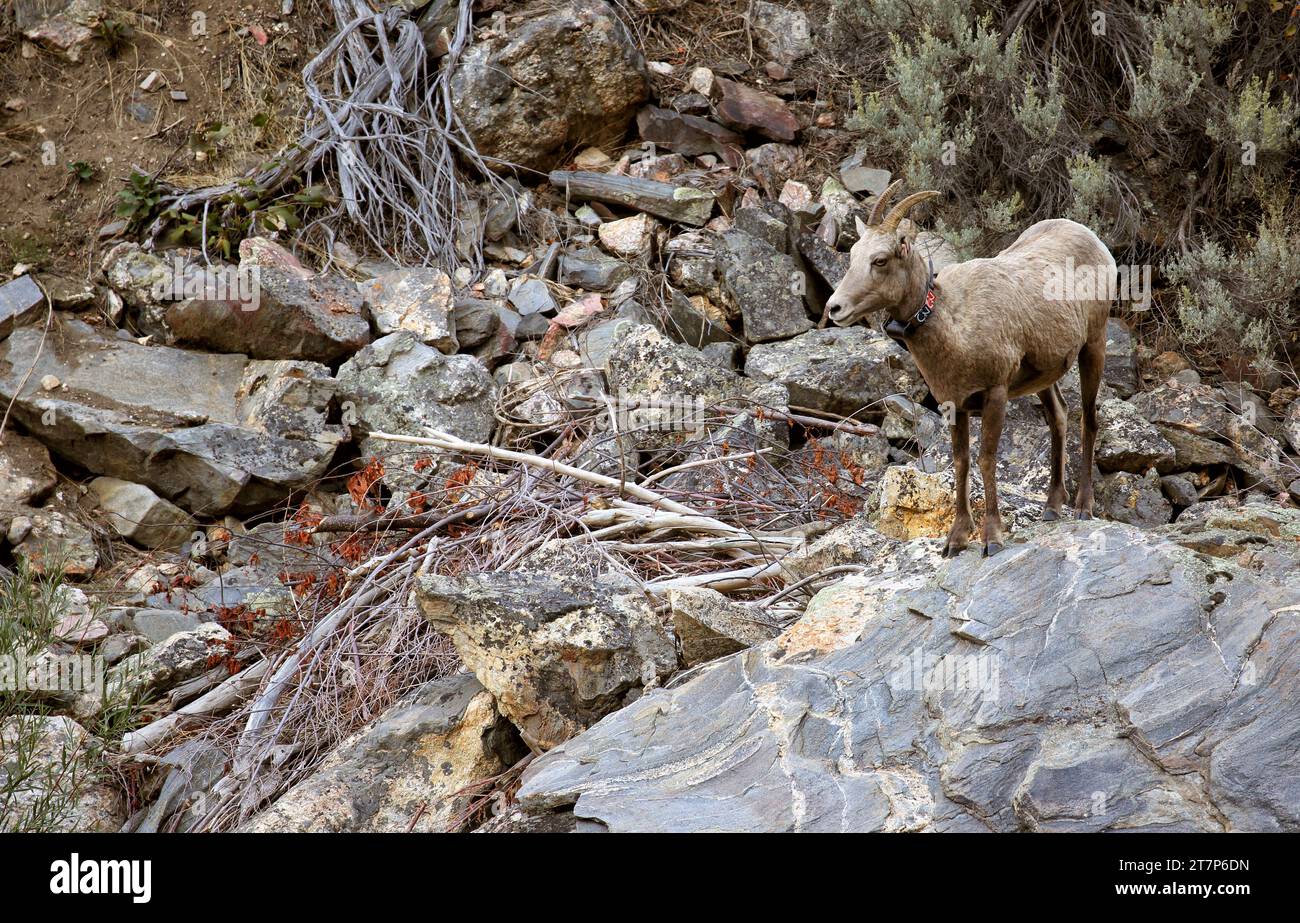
985 331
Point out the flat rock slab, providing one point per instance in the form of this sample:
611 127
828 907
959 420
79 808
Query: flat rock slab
744 108
21 301
1095 678
209 432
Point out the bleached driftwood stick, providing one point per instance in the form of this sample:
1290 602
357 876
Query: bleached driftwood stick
233 690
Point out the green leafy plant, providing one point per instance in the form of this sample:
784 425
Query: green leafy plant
138 200
115 35
83 171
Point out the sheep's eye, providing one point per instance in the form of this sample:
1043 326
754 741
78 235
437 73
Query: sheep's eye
880 262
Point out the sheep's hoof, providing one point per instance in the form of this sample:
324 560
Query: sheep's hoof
992 548
951 551
1051 515
1083 514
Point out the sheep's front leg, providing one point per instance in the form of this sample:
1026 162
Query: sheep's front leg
995 409
962 524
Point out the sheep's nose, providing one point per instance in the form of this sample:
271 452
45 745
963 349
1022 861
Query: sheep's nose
836 310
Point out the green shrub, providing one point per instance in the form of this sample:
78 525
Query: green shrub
1172 129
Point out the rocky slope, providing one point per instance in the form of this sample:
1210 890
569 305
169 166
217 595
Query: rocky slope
704 591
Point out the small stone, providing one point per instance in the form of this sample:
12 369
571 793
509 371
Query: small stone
587 217
532 296
781 33
701 81
19 528
592 158
21 302
858 177
50 382
630 237
795 196
139 515
1180 488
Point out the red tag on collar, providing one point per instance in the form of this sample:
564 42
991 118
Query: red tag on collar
929 299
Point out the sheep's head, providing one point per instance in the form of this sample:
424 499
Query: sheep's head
881 270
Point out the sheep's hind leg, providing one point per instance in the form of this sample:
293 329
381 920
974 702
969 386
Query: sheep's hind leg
962 524
995 409
1092 360
1053 406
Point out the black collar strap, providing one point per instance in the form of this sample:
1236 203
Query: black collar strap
897 329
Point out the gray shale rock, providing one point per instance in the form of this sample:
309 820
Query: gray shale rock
767 286
399 385
1097 677
197 428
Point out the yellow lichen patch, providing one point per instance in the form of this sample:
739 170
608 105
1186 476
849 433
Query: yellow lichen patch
914 504
835 619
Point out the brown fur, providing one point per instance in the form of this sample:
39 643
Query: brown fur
994 335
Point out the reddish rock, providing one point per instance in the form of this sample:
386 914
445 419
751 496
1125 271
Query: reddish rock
744 108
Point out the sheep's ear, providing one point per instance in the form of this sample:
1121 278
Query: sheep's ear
904 247
861 225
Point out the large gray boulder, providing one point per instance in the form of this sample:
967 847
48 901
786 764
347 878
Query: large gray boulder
567 76
1097 677
210 432
399 385
767 286
844 370
557 652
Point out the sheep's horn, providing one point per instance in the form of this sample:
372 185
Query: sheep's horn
882 202
902 208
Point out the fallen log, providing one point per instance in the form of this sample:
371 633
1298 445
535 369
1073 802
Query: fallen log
663 200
